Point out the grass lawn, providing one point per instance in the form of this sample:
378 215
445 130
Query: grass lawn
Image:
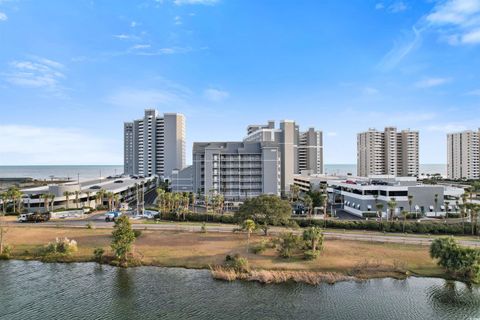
200 250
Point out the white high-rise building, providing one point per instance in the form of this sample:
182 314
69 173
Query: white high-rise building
154 145
388 153
463 155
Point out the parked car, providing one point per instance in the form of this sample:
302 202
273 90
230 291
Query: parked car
34 217
112 216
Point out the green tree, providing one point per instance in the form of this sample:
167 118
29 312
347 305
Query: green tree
265 210
459 261
123 238
294 193
379 208
308 203
15 195
392 206
77 194
289 243
314 237
4 198
404 215
67 194
410 204
249 225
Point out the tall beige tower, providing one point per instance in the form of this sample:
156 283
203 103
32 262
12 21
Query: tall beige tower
389 152
463 155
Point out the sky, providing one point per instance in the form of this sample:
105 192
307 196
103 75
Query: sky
71 72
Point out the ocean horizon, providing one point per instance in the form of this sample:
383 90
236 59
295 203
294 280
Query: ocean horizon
72 172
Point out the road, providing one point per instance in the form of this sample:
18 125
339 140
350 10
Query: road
99 222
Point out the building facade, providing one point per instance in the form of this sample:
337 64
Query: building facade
237 170
299 151
360 196
154 145
463 155
388 153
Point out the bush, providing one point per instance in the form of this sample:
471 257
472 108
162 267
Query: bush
262 246
237 263
98 254
289 244
310 254
203 228
61 246
7 251
90 225
137 233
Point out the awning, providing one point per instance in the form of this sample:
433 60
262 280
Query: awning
345 202
358 206
442 207
353 204
369 207
417 208
431 207
348 203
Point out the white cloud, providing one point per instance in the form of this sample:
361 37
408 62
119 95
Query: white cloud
379 6
141 46
458 21
178 20
45 145
215 94
203 2
397 6
400 50
133 24
36 73
3 16
431 82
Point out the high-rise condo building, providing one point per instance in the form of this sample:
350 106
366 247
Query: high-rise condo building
154 145
237 170
299 151
388 153
463 155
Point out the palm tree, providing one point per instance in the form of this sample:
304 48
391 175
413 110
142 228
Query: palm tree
109 196
52 201
392 205
4 198
474 218
308 202
46 200
464 208
404 215
313 234
161 199
436 204
15 194
410 203
447 203
294 193
99 196
249 226
379 207
66 194
88 198
77 193
116 200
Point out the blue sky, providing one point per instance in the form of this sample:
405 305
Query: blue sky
71 72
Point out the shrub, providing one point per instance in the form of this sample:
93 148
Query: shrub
98 254
137 233
90 225
237 263
7 251
61 246
289 244
310 254
262 246
203 228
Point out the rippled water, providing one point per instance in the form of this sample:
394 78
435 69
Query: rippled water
33 290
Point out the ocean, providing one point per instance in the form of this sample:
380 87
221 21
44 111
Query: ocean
94 171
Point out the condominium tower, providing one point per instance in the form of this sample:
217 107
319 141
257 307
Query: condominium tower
154 145
463 155
388 153
299 151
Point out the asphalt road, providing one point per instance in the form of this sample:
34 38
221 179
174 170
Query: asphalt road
99 222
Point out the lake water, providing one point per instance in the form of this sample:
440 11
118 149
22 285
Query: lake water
33 290
85 172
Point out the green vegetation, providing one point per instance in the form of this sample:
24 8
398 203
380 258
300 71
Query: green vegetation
123 239
265 211
461 262
237 263
313 238
59 250
11 199
249 226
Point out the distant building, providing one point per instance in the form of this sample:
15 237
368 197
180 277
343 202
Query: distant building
463 155
361 195
182 180
299 151
388 153
154 145
237 170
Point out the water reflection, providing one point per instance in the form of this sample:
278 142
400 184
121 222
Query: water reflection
454 298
